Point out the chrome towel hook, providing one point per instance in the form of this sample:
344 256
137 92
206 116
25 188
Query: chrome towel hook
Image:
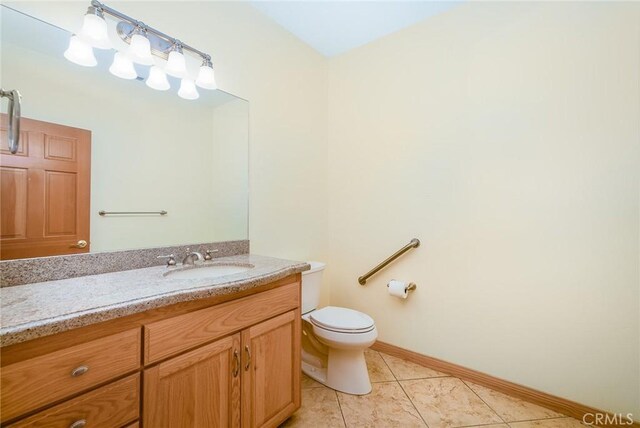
14 118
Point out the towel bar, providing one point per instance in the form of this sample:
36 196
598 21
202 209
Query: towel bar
104 213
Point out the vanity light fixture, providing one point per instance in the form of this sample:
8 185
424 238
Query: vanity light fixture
206 78
176 64
80 52
122 67
188 90
157 79
140 48
94 29
147 47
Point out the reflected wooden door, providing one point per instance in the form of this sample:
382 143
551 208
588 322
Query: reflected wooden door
44 190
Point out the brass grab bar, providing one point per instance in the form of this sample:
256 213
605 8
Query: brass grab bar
415 243
104 213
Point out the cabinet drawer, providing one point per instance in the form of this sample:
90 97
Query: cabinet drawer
112 405
167 337
33 383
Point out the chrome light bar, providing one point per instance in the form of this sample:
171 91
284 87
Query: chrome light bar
144 43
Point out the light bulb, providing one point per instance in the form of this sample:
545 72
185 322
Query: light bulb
157 79
140 50
188 90
122 67
176 64
94 29
80 52
206 77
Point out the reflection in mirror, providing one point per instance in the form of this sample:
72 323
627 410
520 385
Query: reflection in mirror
93 142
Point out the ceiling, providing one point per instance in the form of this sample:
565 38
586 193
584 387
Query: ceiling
334 27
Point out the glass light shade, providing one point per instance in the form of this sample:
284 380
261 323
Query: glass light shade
157 79
122 67
188 90
206 78
140 50
80 52
176 65
94 31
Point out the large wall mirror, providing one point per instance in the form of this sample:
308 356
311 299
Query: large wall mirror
166 171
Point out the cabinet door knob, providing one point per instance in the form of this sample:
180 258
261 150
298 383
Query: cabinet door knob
80 423
79 371
248 363
236 363
80 244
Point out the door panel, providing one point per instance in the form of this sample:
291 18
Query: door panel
13 186
271 380
23 148
60 203
198 389
51 214
60 148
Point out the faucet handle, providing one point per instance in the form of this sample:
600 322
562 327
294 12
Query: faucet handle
171 261
207 254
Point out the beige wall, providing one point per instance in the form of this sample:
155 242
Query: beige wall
285 82
505 136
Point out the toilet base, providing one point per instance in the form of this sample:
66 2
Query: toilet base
319 374
346 372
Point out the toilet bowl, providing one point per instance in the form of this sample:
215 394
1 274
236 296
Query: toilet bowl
334 339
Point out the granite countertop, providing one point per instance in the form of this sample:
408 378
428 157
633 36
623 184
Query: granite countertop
35 310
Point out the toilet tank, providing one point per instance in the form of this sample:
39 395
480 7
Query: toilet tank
311 286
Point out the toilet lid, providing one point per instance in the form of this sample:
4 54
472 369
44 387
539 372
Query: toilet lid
342 320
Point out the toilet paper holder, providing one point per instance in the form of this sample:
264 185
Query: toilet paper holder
410 287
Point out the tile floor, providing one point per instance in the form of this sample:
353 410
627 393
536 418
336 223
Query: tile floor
408 395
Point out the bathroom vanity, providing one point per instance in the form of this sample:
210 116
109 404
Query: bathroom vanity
93 331
138 348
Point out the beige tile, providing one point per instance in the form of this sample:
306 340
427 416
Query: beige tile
378 370
307 382
448 402
491 426
405 370
319 409
386 406
549 423
512 409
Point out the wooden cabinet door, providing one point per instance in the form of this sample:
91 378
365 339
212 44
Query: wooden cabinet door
271 370
44 190
198 389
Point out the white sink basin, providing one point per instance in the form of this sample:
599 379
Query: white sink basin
206 271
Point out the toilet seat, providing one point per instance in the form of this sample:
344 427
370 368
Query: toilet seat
341 320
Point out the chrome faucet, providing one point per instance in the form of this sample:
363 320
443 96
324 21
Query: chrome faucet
208 255
192 257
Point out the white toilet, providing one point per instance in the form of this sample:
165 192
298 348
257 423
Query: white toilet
334 339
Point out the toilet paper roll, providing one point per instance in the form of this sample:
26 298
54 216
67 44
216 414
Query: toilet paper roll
398 288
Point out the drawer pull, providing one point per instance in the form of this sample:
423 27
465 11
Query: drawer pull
79 371
248 351
236 363
80 423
